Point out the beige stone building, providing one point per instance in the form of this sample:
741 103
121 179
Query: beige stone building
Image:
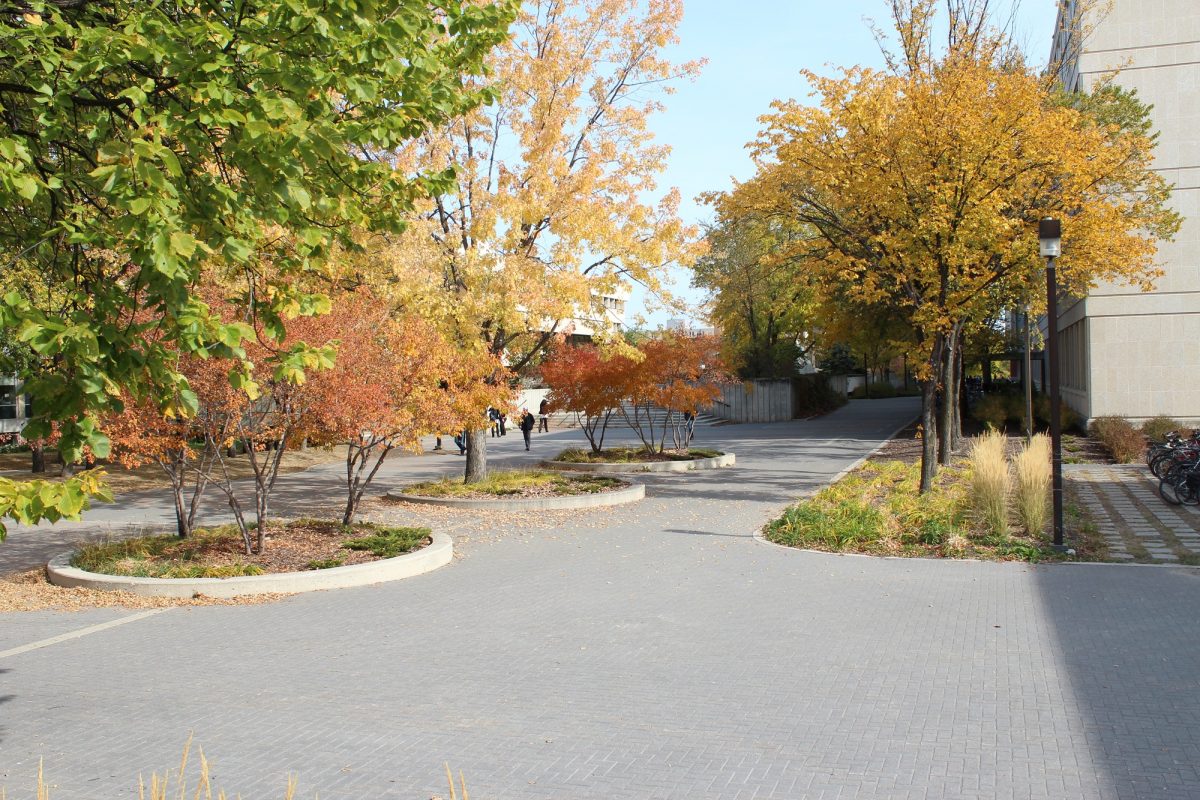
1125 352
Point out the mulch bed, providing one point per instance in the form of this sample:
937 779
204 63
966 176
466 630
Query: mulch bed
638 457
291 547
904 446
568 487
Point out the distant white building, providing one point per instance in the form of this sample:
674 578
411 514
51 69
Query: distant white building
610 315
1124 352
14 406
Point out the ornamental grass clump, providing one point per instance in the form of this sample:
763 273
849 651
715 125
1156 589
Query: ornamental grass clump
1032 491
990 482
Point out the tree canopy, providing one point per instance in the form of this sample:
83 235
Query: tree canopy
143 142
919 186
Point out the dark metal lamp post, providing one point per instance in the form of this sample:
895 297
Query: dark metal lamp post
1050 246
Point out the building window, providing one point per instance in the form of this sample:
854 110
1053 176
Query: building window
1074 369
8 401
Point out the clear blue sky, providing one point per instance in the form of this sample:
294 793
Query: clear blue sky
755 51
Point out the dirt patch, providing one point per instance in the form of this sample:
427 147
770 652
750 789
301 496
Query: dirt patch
30 591
220 552
905 446
625 455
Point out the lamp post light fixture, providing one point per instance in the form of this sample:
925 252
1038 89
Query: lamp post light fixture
1050 247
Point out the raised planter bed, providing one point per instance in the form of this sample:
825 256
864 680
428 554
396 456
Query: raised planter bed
615 497
606 467
438 553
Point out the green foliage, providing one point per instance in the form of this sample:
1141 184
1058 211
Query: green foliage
813 394
991 410
326 563
142 142
1124 442
388 542
1156 428
34 501
879 510
763 311
1068 417
163 556
630 455
875 390
832 526
516 483
838 360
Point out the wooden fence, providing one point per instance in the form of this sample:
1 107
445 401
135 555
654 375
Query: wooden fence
755 401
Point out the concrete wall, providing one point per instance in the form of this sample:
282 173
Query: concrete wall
755 401
1139 353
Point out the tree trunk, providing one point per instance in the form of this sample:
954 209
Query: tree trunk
929 395
929 428
959 400
181 516
37 454
477 467
929 465
948 371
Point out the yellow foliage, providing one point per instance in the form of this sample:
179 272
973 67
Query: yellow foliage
921 184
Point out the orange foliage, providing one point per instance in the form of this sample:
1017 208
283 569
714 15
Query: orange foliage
583 381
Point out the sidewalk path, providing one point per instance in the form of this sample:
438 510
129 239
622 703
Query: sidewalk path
652 651
1135 522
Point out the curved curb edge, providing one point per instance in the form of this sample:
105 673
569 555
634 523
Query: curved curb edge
601 468
629 494
439 553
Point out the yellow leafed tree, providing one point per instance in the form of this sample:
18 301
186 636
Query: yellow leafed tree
922 185
549 213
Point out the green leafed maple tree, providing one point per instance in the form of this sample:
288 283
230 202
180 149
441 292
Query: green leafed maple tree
140 142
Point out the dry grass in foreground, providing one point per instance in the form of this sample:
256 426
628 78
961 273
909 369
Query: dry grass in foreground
176 784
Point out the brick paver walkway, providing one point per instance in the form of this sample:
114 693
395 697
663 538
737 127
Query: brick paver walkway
653 651
1136 523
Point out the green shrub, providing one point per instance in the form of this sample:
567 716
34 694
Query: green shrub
1157 428
876 390
389 542
991 410
813 395
833 526
1067 416
326 563
1124 442
511 483
1014 408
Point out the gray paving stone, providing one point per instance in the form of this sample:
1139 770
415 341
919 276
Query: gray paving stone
658 652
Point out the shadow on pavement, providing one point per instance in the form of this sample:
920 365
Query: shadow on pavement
1128 646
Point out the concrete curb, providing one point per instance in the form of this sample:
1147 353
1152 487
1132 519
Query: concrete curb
602 468
439 553
629 494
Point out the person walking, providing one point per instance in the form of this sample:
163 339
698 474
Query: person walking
544 416
494 418
502 418
526 425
